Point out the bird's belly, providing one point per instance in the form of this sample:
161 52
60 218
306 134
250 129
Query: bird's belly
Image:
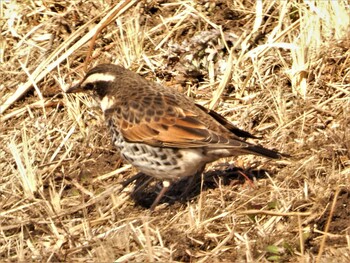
159 162
162 163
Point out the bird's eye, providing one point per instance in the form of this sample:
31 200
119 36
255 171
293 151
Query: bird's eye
89 86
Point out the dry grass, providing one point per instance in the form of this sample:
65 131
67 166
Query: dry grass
279 69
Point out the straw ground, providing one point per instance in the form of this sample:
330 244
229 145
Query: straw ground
279 69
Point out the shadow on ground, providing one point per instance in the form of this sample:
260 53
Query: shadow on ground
147 188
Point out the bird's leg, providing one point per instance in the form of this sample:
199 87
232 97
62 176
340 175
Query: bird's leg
247 179
165 188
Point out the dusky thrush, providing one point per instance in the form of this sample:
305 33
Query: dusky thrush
161 132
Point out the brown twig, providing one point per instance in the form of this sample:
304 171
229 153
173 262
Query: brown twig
323 241
273 213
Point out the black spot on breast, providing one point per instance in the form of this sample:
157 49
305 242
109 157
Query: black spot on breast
163 156
135 148
156 163
178 155
143 150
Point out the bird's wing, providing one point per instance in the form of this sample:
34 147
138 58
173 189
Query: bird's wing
170 126
228 125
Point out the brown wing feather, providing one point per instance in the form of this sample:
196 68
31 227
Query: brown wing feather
184 129
164 131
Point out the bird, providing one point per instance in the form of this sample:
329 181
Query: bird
159 130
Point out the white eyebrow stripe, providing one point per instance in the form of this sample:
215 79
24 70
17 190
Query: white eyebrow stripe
107 77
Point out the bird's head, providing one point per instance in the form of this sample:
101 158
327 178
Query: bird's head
99 81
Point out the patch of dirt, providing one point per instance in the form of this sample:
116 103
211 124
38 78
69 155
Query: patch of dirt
339 225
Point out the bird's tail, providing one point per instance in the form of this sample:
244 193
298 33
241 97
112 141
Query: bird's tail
259 150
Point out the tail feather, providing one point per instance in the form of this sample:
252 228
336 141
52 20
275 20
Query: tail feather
259 150
244 147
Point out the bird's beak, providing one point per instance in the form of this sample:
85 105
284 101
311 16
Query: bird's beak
74 89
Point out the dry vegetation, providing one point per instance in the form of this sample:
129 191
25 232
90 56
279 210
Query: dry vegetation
279 69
